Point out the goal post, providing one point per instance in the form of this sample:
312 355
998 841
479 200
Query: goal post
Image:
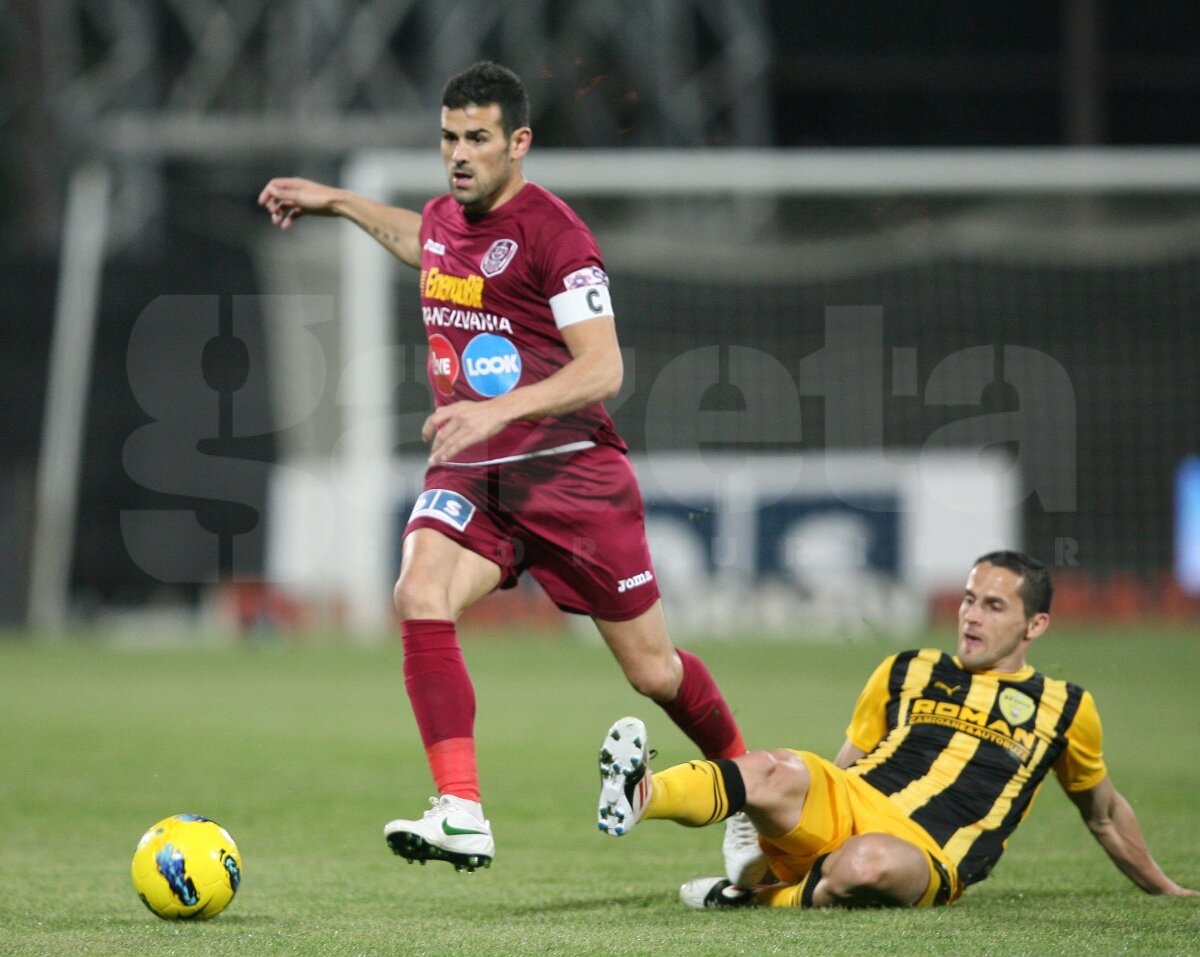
64 421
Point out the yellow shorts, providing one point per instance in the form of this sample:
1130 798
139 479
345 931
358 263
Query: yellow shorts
839 806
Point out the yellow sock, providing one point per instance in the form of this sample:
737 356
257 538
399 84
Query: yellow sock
799 894
781 895
691 794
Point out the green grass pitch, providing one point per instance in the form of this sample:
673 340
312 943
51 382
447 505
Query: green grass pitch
304 751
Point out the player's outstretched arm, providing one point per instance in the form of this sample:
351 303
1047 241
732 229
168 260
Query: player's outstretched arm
287 198
1112 822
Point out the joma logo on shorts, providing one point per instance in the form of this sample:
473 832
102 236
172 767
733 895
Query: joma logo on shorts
627 584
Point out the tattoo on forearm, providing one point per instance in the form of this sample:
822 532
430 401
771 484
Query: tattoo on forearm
381 234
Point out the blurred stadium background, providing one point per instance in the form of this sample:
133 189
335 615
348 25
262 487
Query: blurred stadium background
896 284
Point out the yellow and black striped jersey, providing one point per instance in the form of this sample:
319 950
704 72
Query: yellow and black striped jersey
964 753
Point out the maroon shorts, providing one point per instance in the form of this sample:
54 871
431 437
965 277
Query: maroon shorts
576 521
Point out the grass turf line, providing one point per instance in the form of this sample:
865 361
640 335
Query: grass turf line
304 752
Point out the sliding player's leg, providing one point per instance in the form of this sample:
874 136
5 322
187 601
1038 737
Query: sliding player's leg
831 839
797 802
695 794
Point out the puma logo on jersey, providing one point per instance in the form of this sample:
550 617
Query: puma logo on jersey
433 246
946 688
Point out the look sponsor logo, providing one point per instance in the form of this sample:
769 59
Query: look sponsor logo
460 290
443 364
492 365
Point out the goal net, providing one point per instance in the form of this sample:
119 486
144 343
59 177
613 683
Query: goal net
847 373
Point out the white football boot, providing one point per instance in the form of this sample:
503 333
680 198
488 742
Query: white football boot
745 862
453 830
625 779
705 893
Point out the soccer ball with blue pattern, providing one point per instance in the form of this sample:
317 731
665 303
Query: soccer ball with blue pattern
186 867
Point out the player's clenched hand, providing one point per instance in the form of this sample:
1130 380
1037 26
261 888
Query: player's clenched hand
287 198
460 425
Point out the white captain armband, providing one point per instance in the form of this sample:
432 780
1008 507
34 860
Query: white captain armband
586 297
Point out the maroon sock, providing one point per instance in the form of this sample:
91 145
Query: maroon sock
443 701
701 712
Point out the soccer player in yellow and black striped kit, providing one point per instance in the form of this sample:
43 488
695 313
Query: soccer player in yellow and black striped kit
942 760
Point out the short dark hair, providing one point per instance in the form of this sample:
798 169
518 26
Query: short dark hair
486 83
1037 590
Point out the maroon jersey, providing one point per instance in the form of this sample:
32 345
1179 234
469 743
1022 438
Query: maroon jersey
495 290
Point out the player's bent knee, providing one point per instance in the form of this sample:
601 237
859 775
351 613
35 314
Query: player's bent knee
655 679
416 601
774 777
864 864
877 869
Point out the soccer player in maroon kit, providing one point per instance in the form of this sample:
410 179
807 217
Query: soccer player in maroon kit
525 468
